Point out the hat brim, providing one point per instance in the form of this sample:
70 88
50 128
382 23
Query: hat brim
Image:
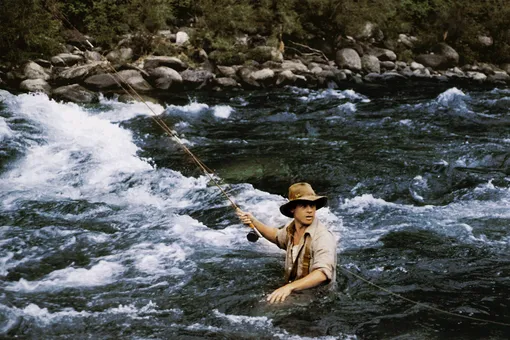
319 201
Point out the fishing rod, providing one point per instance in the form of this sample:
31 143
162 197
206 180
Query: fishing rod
254 233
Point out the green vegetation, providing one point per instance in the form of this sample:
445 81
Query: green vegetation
32 28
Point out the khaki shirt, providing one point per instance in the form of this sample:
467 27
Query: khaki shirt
322 246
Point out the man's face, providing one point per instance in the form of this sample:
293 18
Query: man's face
304 213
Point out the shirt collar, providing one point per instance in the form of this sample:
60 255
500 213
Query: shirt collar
311 229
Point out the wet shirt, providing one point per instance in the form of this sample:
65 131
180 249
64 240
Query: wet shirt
322 250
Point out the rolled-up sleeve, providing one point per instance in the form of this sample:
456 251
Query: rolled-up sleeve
281 238
324 254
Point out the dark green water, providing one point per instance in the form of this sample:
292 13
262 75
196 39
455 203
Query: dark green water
108 230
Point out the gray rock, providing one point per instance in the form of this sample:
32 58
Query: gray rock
35 71
102 82
371 64
499 76
66 59
485 41
78 73
75 93
263 75
349 59
121 55
286 77
196 78
261 54
407 41
134 79
172 62
387 65
92 56
165 77
416 66
246 75
35 85
392 76
436 61
477 76
294 66
226 82
227 71
383 54
181 38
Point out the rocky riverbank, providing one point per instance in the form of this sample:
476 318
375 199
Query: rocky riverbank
79 74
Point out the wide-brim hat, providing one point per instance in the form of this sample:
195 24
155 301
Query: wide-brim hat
302 192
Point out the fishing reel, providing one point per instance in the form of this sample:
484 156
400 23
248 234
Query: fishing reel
253 236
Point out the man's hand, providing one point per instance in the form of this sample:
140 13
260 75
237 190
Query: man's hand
280 294
245 217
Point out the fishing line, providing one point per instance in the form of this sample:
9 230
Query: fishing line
126 87
422 304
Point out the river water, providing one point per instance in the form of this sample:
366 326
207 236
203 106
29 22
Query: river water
109 231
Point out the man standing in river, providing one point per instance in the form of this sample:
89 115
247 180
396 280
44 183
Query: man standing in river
310 247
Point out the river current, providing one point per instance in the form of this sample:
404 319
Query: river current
109 231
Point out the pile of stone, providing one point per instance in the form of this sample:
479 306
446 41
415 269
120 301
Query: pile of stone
79 75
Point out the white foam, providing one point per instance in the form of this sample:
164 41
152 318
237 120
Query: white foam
452 98
119 111
5 131
223 111
101 274
192 107
259 321
348 108
360 203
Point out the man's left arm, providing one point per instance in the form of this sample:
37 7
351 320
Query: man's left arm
309 281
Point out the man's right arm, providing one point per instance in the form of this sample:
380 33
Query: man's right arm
268 232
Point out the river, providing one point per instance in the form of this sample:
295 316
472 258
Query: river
109 231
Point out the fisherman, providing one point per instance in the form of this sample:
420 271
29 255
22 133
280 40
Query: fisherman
310 247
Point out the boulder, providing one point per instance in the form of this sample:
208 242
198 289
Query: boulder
66 59
226 82
477 76
294 66
75 93
286 77
370 64
35 71
165 77
92 56
499 77
121 55
197 78
447 51
134 79
35 85
436 61
416 66
101 82
264 75
227 71
246 76
407 41
172 62
78 73
383 54
506 68
181 38
387 65
349 59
